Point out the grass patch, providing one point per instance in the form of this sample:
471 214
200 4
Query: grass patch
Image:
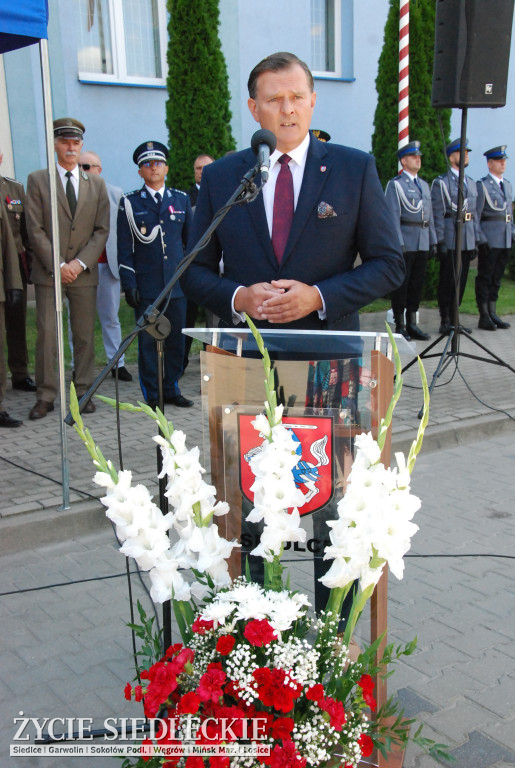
505 303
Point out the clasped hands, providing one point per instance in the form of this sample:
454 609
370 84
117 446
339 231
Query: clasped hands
70 271
280 301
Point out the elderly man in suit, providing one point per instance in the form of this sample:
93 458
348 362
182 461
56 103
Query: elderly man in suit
289 256
495 211
444 197
409 198
108 291
83 211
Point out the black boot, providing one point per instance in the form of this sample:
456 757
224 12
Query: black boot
399 325
414 331
445 324
495 317
485 321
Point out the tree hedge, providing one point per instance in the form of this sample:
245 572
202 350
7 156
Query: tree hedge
198 117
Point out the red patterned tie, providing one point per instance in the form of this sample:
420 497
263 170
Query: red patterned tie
283 208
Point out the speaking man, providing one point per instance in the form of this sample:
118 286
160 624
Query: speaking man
289 256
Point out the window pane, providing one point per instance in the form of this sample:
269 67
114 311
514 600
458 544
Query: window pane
95 53
142 48
322 36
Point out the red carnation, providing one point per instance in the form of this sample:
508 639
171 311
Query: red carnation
259 632
127 691
286 757
225 644
367 686
138 692
189 704
172 650
282 728
201 627
335 711
315 693
210 685
194 761
366 745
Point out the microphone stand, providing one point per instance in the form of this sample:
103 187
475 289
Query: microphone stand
157 325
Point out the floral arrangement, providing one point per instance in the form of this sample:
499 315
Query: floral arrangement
257 680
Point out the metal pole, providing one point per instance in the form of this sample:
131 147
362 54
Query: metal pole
49 131
403 105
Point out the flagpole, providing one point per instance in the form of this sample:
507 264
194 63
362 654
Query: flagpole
56 258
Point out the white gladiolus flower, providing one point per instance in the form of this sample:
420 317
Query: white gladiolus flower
261 425
280 527
374 520
166 580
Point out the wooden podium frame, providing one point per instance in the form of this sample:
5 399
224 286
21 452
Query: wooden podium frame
223 386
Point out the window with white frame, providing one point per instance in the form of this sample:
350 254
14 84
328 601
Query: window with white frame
122 41
326 53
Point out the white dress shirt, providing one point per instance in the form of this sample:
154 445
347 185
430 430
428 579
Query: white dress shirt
297 165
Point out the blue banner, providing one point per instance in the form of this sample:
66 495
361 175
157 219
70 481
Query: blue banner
22 23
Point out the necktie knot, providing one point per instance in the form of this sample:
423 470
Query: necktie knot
284 159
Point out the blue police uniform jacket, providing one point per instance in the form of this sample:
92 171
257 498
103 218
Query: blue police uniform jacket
444 197
152 240
495 210
412 212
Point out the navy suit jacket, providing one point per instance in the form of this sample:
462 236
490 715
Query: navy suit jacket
319 250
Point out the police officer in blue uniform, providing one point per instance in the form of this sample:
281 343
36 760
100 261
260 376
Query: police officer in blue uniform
444 196
153 228
495 209
409 199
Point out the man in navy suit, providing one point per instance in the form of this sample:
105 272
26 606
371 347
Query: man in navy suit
152 229
338 212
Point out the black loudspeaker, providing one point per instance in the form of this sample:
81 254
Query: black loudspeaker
472 51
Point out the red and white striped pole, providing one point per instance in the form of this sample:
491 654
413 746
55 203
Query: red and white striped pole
403 118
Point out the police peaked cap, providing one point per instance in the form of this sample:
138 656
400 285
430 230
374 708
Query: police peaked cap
68 128
150 150
455 145
497 153
320 135
413 148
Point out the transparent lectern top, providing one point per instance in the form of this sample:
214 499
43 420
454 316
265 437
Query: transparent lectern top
298 344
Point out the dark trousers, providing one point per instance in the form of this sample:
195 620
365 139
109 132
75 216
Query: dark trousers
409 294
16 338
173 352
446 281
491 264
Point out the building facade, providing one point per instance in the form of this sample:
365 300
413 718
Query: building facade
108 69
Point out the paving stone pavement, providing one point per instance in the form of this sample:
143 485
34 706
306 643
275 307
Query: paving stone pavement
65 651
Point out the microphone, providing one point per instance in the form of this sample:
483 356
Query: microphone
263 144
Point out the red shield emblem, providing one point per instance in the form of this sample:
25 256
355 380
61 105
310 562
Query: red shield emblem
314 470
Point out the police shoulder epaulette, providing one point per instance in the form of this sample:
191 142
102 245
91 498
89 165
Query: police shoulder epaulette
134 192
179 191
14 181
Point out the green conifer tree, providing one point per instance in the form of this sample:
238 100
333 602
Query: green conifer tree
197 111
424 120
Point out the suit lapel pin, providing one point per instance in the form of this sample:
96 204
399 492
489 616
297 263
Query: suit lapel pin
84 175
323 168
